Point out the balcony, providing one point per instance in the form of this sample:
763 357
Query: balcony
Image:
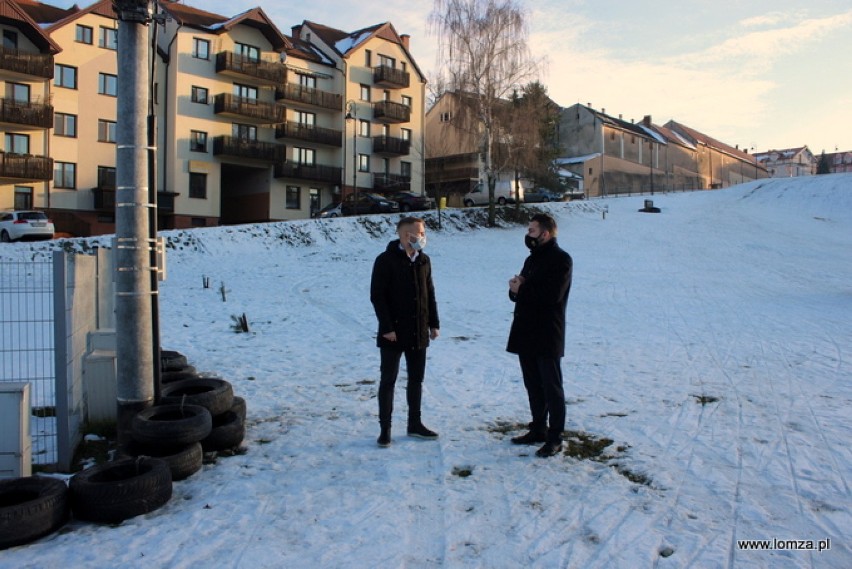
391 77
388 112
309 133
25 166
25 63
315 172
235 147
391 183
389 145
235 65
23 113
229 105
309 97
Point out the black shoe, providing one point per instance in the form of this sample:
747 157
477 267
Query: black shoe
421 432
548 450
529 438
384 439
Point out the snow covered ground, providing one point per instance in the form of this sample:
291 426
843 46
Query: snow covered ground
711 343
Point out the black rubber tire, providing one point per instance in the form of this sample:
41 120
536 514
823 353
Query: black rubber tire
4 237
228 432
501 201
213 393
31 508
115 491
468 203
189 372
171 425
171 360
183 461
239 407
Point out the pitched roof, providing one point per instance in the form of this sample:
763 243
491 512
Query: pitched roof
103 8
45 13
697 138
619 123
13 13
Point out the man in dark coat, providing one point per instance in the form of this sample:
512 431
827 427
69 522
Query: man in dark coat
540 294
403 297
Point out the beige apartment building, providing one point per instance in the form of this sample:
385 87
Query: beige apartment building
252 125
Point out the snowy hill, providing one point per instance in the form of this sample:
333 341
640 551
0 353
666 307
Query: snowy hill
707 372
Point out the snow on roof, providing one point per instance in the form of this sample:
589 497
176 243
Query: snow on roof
577 159
350 42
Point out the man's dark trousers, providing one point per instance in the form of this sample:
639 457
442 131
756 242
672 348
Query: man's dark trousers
543 380
415 365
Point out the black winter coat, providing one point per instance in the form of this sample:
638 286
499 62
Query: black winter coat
403 297
538 328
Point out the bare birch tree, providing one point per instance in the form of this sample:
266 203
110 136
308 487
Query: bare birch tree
483 53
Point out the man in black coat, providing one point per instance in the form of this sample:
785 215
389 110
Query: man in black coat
540 294
403 297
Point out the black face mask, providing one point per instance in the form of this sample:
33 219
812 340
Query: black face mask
531 242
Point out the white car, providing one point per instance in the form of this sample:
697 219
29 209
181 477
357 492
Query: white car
15 225
505 191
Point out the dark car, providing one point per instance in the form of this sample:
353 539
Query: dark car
367 203
409 201
542 195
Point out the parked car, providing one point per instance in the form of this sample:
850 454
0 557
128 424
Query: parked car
536 195
331 210
367 203
25 225
409 201
504 192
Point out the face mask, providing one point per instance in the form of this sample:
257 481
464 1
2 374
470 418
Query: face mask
530 241
418 243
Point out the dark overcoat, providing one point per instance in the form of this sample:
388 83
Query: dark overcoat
403 297
538 328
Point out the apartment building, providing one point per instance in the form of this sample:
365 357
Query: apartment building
26 112
251 124
789 162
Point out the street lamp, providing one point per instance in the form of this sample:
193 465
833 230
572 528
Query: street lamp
352 114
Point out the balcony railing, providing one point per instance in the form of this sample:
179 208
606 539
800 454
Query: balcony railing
246 108
390 112
230 63
243 148
391 182
309 133
25 166
309 96
316 172
391 145
25 113
391 77
26 63
104 198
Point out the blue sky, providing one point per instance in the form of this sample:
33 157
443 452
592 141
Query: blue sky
754 73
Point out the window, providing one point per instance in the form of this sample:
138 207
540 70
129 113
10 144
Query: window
314 199
106 177
307 80
405 169
18 92
107 84
10 39
245 92
446 117
294 194
306 156
23 197
200 95
386 96
198 185
385 130
406 134
106 131
364 128
387 61
363 162
65 125
246 132
108 38
200 48
64 175
406 100
403 66
17 143
83 34
368 58
365 92
197 141
250 52
307 119
65 76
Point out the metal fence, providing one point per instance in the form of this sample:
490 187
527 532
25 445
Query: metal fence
27 346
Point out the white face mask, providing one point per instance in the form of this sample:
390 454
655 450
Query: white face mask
418 243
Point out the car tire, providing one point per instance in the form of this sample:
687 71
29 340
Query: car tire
213 393
239 407
468 203
171 425
115 491
31 508
405 207
4 237
501 201
189 372
332 215
172 361
228 432
183 460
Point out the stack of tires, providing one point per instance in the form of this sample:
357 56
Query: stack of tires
31 508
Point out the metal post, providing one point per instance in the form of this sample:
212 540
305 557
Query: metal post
352 113
134 342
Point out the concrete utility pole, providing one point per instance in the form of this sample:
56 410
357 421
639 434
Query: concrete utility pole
134 330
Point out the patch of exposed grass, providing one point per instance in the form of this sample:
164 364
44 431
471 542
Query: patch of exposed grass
705 399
